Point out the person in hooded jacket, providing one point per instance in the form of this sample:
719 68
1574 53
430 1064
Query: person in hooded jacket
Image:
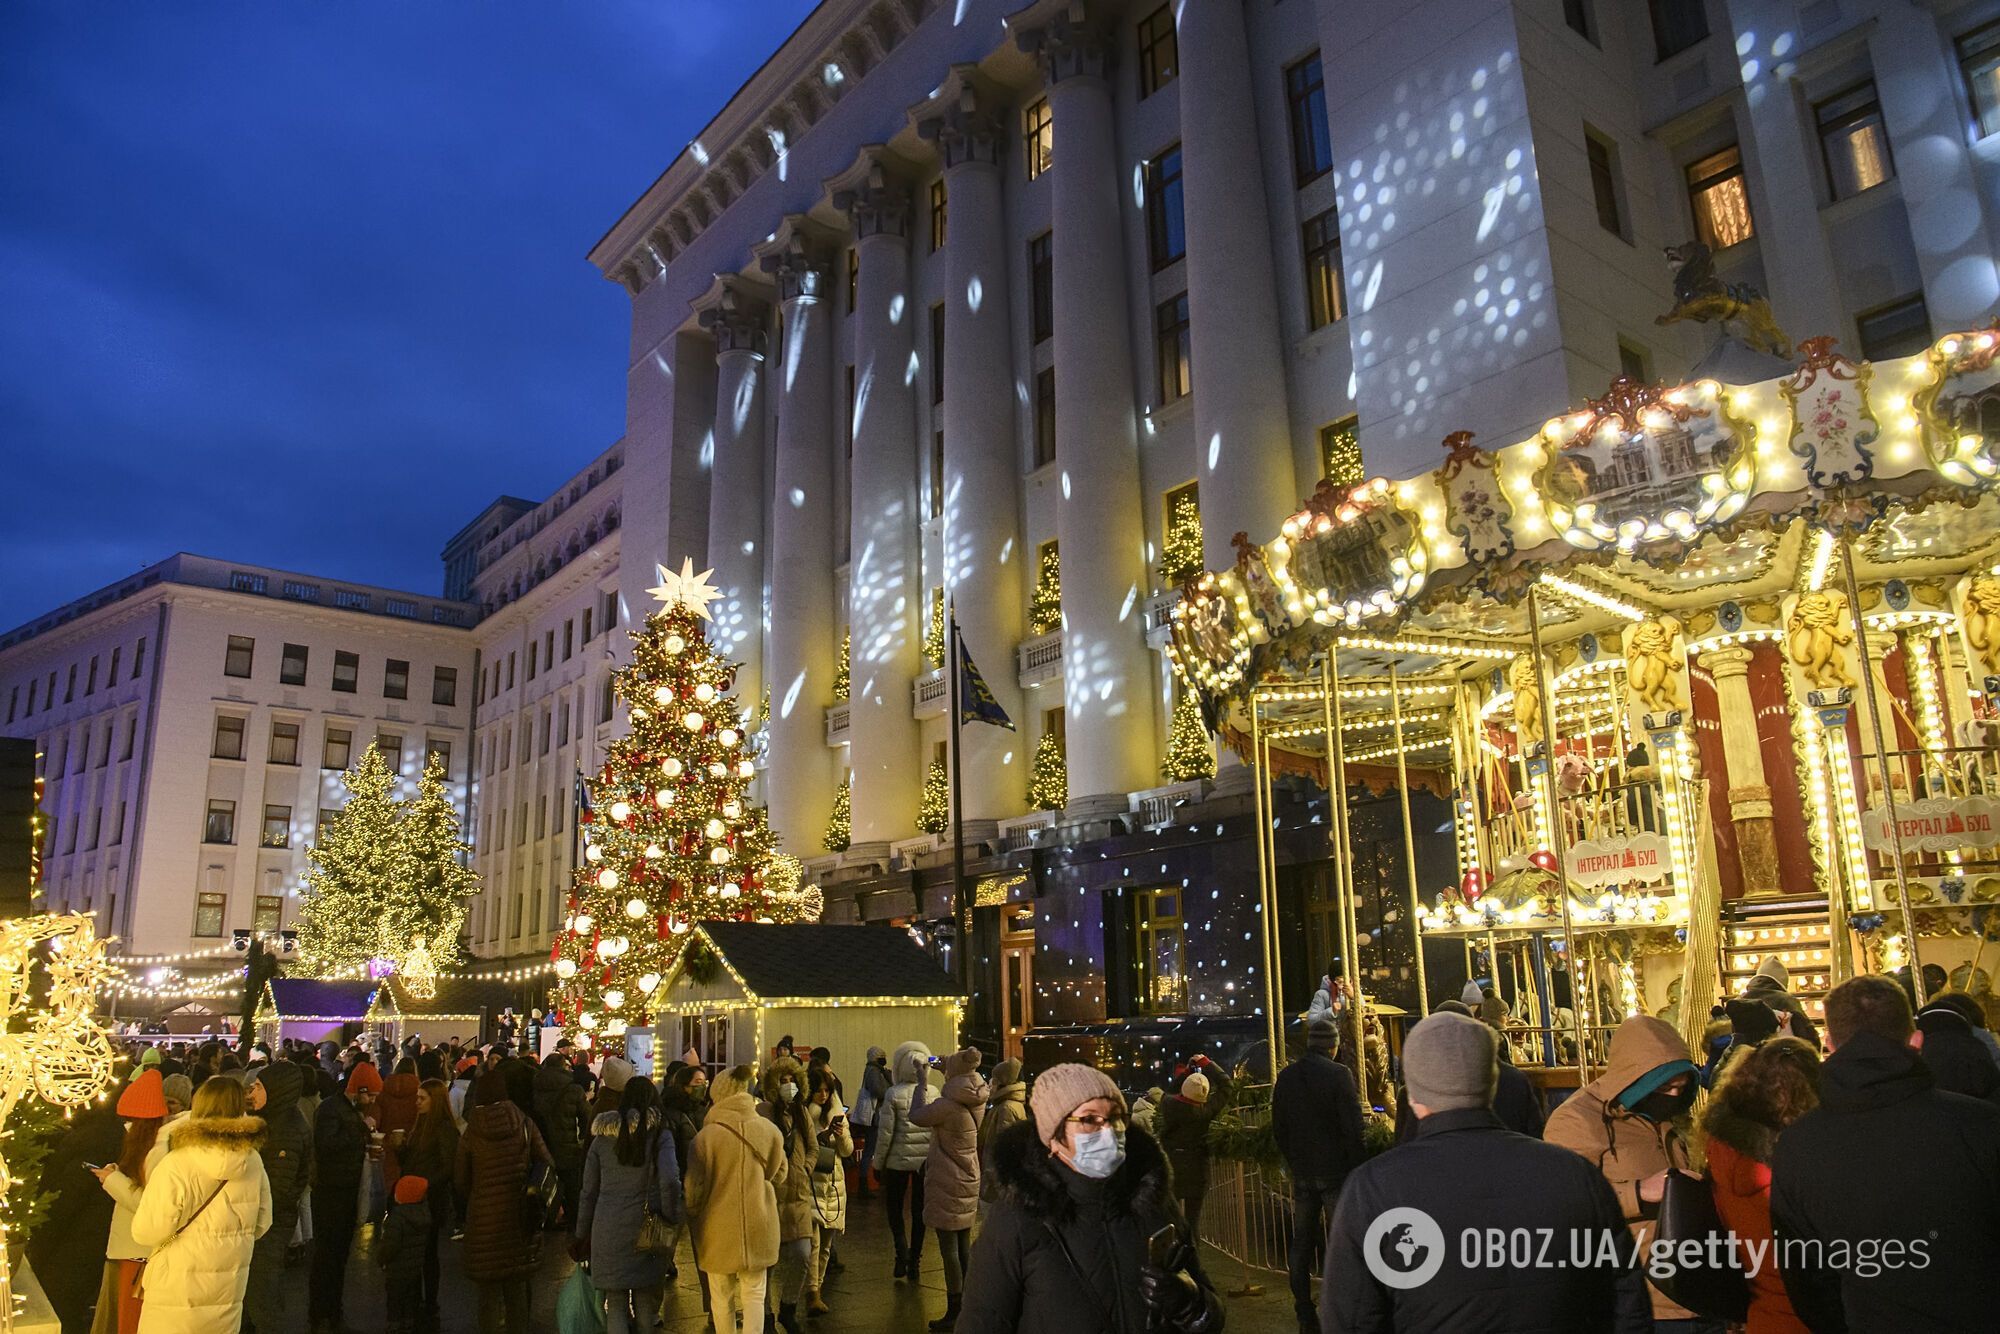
1769 984
562 1110
1751 1024
951 1168
1968 1007
901 1149
734 1167
287 1154
874 1088
1067 1248
684 1102
1182 1129
341 1142
1887 1155
395 1113
1957 1059
1006 1107
1517 1100
1627 1122
489 1181
67 1248
1471 1176
201 1214
1147 1109
829 1178
784 1106
1316 1123
628 1171
1767 1089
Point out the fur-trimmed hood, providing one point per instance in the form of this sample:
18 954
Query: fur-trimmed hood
606 1123
1033 1180
1752 1138
220 1132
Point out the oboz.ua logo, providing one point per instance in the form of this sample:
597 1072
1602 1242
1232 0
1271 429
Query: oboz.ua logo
1404 1248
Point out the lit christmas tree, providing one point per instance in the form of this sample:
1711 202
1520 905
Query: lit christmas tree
1048 777
934 630
670 838
934 806
1188 754
1045 602
840 672
1180 549
353 873
434 886
839 825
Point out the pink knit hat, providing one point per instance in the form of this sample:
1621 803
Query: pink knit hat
1061 1089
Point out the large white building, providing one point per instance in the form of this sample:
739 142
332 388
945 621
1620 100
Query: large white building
194 721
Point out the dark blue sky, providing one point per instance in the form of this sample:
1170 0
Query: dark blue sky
303 283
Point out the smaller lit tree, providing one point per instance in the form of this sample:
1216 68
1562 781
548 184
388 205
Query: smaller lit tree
839 824
934 638
934 806
1045 603
352 872
840 671
1048 775
434 886
1188 754
1180 549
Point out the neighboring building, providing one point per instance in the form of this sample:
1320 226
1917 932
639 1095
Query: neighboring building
545 581
194 722
950 292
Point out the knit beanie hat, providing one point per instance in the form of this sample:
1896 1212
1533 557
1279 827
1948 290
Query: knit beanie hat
616 1072
180 1089
1323 1034
1195 1087
1471 995
1061 1089
143 1097
962 1062
1774 968
1451 1062
150 1056
411 1189
366 1078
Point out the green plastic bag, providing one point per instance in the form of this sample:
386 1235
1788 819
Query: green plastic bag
579 1310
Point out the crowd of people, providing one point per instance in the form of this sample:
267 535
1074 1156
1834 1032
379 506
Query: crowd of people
215 1182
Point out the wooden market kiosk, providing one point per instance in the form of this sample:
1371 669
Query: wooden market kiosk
1712 671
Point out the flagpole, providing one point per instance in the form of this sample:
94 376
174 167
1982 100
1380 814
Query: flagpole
958 905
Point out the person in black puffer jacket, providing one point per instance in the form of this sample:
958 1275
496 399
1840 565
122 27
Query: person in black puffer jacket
562 1110
288 1162
1181 1126
1066 1248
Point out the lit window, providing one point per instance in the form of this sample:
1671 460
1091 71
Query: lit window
1160 952
1326 291
937 213
1897 330
1721 199
338 750
270 913
1340 452
1166 225
277 827
208 913
284 743
1038 137
1852 142
1159 51
1172 350
1979 58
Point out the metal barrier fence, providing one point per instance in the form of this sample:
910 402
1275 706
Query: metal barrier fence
1247 1216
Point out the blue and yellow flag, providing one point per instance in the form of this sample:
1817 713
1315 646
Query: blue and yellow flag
975 699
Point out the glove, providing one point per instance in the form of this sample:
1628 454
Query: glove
579 1249
1170 1295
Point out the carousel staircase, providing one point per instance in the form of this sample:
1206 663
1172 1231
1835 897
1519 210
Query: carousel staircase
1792 927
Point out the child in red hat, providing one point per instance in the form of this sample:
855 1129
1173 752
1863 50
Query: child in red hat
400 1251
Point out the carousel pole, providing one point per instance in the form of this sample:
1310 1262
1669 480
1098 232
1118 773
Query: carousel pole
1343 862
1273 993
1558 840
1882 766
1271 856
1409 840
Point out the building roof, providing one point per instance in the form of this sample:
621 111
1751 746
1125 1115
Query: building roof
457 996
305 997
818 961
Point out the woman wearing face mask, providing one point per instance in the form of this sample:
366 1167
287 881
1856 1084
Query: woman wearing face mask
1067 1247
784 1106
684 1100
1630 1122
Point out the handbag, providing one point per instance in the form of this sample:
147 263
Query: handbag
1688 1214
541 1199
656 1235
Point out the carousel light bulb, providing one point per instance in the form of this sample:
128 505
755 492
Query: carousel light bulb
635 907
671 767
613 999
704 692
647 982
693 721
728 737
716 829
607 879
621 811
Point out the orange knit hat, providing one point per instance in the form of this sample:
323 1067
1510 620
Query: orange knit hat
143 1097
365 1076
411 1189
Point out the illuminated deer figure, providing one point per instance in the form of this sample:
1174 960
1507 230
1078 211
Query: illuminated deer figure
62 1055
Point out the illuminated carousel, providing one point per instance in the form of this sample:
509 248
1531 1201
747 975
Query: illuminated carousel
1710 671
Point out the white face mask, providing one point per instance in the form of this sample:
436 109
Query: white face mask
1098 1154
788 1091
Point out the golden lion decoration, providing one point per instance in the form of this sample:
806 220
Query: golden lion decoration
1526 679
1655 671
1981 615
1818 635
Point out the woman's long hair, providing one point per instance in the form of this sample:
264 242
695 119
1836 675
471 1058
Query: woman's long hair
1766 1090
790 1117
429 1126
220 1098
638 1122
141 1134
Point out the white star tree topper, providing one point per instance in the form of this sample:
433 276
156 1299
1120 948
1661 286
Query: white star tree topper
686 589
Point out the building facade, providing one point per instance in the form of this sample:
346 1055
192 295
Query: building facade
194 721
964 302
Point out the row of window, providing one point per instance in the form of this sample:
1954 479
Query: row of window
212 907
497 749
240 654
337 749
542 652
47 697
66 837
75 750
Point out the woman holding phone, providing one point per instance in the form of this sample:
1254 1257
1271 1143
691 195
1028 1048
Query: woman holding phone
829 1180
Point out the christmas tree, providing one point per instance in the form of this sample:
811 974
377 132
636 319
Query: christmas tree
1180 549
353 870
839 825
840 669
434 885
934 806
670 838
1045 601
934 637
1188 753
1048 778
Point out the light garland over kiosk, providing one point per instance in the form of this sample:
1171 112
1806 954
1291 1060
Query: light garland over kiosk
1690 655
670 836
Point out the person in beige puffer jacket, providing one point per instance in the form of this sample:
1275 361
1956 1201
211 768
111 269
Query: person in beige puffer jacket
734 1166
1006 1107
951 1169
784 1106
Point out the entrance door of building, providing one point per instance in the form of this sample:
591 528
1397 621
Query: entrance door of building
1017 981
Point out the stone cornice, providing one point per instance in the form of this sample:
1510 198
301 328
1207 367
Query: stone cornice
799 258
735 310
964 118
874 193
1068 38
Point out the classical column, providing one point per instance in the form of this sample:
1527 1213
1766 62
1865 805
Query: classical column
799 777
1099 520
735 312
1749 793
983 550
1243 452
884 573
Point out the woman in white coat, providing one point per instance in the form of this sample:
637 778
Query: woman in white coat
203 1210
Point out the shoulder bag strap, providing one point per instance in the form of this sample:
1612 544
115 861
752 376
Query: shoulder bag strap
1109 1313
220 1186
